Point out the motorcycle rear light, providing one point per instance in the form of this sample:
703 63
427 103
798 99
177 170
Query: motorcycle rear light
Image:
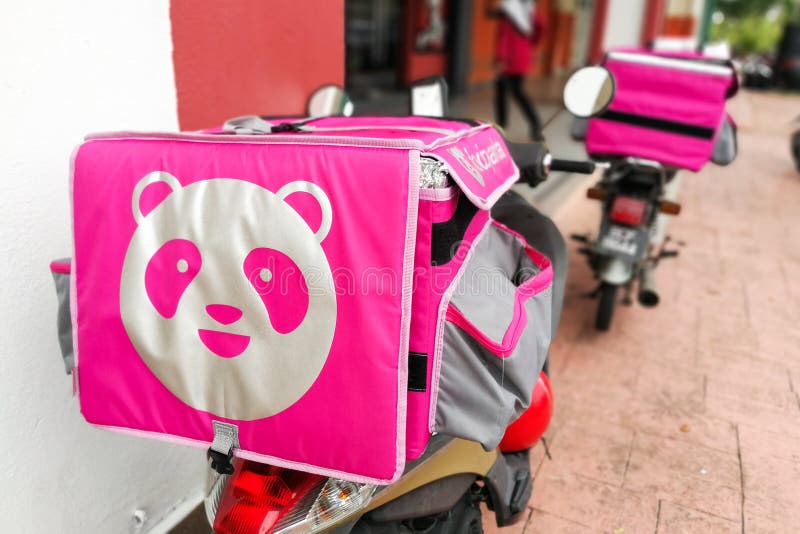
596 193
337 500
263 499
627 210
256 496
669 207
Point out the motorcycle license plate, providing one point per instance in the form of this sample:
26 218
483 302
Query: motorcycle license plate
621 239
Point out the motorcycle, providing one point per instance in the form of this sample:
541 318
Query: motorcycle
637 194
441 491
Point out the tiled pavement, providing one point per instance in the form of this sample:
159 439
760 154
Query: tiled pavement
686 417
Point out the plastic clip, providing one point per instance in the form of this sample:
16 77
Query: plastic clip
226 438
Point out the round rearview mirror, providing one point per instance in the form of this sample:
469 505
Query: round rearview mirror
329 100
589 91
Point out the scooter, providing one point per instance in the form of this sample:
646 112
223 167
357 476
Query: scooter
636 194
440 492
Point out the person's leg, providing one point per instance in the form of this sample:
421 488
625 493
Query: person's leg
541 232
500 111
534 122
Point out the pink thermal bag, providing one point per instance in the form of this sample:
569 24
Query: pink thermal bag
302 293
666 108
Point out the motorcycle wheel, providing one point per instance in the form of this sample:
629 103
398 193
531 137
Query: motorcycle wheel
796 149
605 306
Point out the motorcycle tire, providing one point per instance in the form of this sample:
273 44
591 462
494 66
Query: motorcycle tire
605 306
796 149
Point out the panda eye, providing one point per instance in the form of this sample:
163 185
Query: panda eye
280 284
169 272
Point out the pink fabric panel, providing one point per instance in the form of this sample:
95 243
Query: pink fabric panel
481 165
366 365
417 434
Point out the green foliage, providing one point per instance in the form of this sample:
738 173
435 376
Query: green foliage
749 34
752 26
743 8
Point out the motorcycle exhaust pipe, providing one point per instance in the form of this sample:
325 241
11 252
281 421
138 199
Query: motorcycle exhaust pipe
648 294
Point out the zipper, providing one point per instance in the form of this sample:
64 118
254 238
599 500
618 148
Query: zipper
284 133
284 138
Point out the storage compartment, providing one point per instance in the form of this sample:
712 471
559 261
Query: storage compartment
252 293
666 107
495 338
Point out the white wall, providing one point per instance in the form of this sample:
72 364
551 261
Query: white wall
624 23
68 68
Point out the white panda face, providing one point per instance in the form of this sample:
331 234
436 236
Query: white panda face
227 295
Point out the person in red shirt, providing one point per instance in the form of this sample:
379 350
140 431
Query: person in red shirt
519 30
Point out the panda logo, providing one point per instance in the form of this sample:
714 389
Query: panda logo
227 295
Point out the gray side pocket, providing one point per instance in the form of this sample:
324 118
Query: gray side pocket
64 318
484 385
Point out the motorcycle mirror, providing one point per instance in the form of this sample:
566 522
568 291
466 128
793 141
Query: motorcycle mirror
589 91
329 100
429 97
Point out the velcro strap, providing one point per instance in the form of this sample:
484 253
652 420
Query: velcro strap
417 371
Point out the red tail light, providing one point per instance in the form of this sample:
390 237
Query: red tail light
627 210
258 495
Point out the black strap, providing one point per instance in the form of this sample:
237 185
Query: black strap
680 128
417 371
447 235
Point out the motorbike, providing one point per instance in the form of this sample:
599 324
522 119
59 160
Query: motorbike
636 195
441 491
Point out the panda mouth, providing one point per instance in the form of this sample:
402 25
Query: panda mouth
224 344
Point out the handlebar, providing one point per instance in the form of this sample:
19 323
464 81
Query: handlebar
535 163
566 165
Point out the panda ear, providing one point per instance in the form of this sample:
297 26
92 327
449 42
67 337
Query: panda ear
319 195
149 179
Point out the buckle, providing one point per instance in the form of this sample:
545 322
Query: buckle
220 462
226 438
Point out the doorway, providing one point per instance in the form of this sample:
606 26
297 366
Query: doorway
373 41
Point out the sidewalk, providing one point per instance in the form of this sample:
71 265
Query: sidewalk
686 417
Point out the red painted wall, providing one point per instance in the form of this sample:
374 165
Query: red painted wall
242 57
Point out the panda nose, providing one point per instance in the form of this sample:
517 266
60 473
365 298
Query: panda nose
224 314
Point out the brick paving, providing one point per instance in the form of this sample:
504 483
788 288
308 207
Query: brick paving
686 417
